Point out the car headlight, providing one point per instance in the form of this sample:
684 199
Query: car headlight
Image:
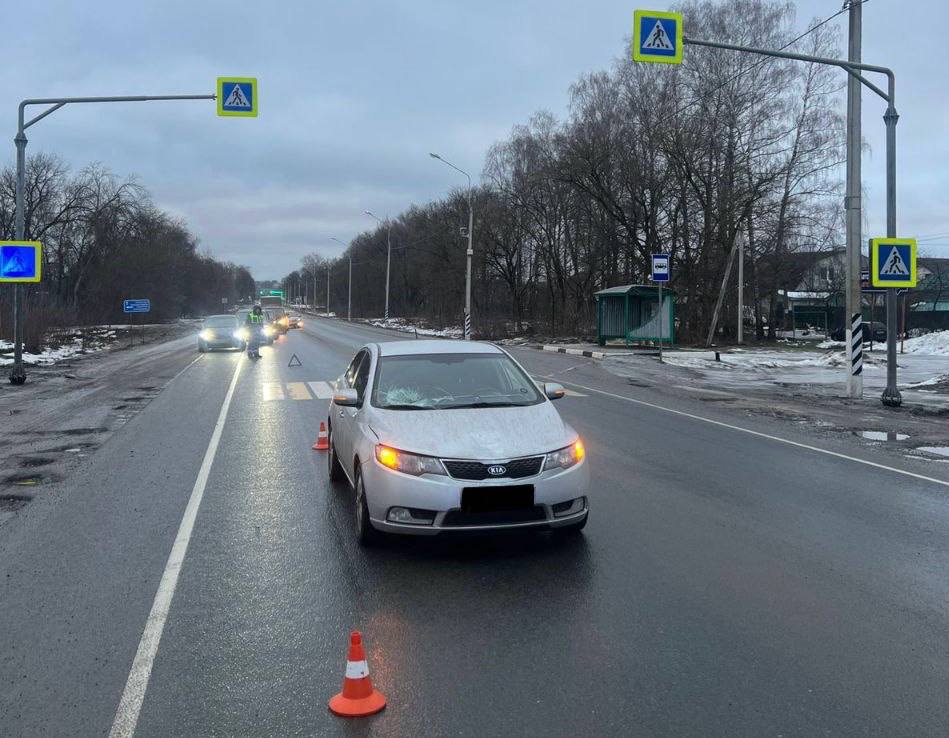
206 335
268 330
242 334
285 321
566 457
408 463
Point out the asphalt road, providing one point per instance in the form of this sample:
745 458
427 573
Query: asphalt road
728 583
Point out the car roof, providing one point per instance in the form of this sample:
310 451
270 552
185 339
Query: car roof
414 348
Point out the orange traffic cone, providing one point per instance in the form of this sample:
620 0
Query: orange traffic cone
358 698
322 440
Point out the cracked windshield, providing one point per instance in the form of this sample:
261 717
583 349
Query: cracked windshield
493 369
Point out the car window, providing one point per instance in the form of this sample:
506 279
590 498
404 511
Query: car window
350 374
361 378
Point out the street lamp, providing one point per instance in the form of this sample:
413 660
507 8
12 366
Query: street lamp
349 306
388 252
470 251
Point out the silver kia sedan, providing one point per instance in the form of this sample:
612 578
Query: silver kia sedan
438 436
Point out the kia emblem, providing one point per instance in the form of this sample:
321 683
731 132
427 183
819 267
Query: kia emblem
497 470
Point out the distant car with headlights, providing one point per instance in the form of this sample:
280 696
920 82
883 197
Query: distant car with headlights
278 319
439 436
296 321
220 332
269 330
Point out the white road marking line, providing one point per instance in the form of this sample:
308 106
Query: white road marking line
322 390
272 391
759 434
298 391
126 716
573 393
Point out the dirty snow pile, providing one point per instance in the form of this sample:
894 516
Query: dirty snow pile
400 324
936 344
738 358
62 345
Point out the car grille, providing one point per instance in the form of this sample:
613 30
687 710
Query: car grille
456 518
475 470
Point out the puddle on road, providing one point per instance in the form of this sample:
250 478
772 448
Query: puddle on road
882 435
935 450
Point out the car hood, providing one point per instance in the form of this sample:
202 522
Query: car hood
474 433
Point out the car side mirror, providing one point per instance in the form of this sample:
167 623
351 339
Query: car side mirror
554 391
346 397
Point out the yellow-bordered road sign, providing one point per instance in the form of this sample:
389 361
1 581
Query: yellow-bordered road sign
21 261
893 262
657 37
237 97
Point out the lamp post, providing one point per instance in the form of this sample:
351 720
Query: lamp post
349 304
470 251
388 252
18 375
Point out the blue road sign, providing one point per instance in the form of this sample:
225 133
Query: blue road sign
237 96
893 262
136 306
660 268
21 261
657 37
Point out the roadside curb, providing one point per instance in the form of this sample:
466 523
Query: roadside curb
575 352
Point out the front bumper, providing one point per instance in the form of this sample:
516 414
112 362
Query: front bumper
386 489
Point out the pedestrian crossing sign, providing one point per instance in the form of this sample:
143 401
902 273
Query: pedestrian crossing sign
21 261
893 262
237 97
657 37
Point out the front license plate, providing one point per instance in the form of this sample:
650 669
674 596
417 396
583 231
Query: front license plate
497 499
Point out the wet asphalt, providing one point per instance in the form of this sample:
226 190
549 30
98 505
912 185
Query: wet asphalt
726 584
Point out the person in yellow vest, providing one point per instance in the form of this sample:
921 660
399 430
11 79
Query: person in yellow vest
255 326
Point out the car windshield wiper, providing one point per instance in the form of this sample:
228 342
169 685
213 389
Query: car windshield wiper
483 404
405 407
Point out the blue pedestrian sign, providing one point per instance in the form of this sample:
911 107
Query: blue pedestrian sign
21 261
893 262
136 306
657 37
237 97
660 267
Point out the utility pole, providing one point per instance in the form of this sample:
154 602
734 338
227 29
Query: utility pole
470 250
327 288
852 210
349 305
388 223
741 290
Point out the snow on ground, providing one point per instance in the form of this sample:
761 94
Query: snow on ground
63 344
400 324
934 344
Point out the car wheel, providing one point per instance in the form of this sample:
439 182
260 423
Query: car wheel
366 535
572 529
335 468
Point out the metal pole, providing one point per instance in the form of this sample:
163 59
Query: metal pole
327 289
469 254
891 395
852 209
349 305
741 291
388 263
660 321
18 374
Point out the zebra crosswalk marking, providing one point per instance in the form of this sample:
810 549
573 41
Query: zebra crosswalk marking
322 390
273 391
298 391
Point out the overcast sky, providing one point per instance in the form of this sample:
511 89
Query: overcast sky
353 96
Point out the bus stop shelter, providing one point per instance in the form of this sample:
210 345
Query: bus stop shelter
631 313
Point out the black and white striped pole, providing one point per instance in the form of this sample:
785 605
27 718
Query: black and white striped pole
469 252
